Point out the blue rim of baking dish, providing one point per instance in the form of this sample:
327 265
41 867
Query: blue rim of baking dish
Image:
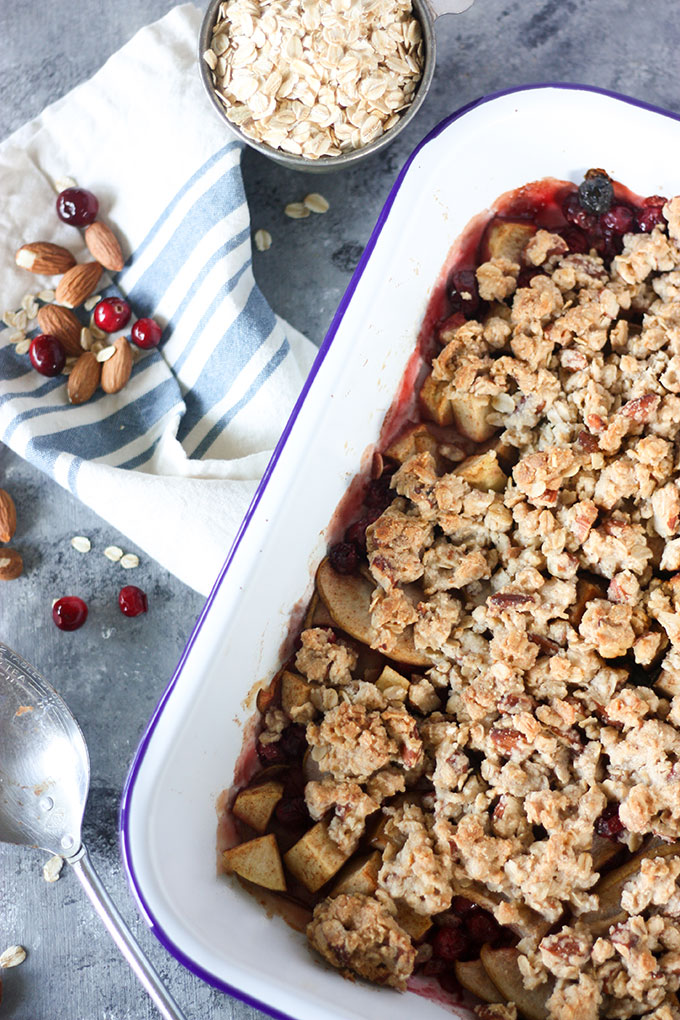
128 789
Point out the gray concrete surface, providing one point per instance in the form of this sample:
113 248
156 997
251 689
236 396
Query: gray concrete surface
113 671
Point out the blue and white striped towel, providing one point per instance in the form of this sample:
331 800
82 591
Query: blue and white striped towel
172 460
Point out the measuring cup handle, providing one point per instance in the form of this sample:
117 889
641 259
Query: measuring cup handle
122 936
439 7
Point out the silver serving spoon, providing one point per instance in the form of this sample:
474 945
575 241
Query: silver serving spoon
44 782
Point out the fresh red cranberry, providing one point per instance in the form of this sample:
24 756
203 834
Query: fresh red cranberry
47 354
576 215
69 612
293 742
449 983
77 206
482 927
146 333
609 824
463 292
293 813
651 215
526 275
619 219
576 241
379 495
112 314
450 944
294 783
132 600
344 557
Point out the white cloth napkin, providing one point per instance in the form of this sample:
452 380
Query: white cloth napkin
173 460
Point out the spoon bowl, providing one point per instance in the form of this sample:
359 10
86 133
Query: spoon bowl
44 782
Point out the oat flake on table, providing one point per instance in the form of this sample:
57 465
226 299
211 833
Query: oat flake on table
315 79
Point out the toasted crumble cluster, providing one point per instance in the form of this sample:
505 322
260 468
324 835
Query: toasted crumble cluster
536 587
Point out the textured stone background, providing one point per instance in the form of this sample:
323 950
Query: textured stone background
113 671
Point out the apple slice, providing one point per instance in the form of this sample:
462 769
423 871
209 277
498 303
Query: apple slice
255 805
434 403
610 887
394 683
315 858
414 439
506 239
294 691
482 471
348 598
472 976
258 861
528 923
415 925
359 877
502 968
469 416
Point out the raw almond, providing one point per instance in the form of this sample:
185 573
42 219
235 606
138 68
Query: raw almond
84 378
11 564
45 258
8 516
77 284
116 371
62 323
103 246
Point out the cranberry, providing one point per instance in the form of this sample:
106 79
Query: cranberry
596 192
146 333
132 600
69 612
461 906
293 813
112 314
576 215
47 354
650 217
269 754
293 742
482 927
378 494
609 824
463 292
576 241
449 983
77 206
526 275
618 219
294 783
344 557
356 533
450 944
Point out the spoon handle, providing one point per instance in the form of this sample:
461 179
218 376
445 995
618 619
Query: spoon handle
123 937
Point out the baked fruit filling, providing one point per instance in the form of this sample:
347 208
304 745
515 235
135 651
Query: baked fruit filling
470 767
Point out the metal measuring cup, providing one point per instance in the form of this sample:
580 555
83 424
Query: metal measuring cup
427 12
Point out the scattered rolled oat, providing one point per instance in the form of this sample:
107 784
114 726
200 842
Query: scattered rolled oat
104 353
85 338
47 296
16 338
316 203
113 553
263 240
315 79
296 210
22 346
21 319
81 544
9 318
129 561
52 868
12 957
62 183
92 302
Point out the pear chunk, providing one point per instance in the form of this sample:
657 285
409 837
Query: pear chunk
503 970
258 861
348 598
360 877
255 805
315 858
434 403
469 416
472 976
482 471
506 239
610 887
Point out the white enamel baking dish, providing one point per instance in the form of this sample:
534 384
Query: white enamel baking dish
188 753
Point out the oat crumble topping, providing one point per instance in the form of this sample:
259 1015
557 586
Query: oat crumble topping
543 597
